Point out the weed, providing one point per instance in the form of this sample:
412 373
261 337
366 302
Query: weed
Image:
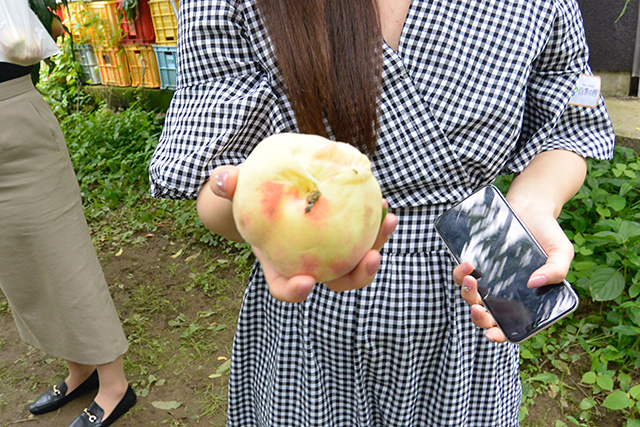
603 221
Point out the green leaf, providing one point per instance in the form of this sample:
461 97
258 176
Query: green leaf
523 413
224 368
587 403
608 236
624 380
635 391
605 382
589 377
634 259
629 229
608 224
603 211
166 406
616 202
626 330
585 251
612 353
545 377
573 420
616 401
625 188
584 265
606 284
526 354
632 423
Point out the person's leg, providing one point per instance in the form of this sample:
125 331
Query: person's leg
113 385
115 397
78 374
81 379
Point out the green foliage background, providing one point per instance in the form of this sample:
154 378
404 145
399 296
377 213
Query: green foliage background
603 222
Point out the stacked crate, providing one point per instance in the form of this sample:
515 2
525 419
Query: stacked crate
113 65
138 39
143 66
165 23
118 50
166 56
140 29
77 19
86 56
96 29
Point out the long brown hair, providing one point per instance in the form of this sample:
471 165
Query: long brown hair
329 54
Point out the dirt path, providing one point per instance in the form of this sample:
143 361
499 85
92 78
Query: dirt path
178 304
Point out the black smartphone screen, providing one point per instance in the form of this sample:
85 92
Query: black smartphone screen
485 231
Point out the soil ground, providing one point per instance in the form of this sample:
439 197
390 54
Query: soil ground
180 333
178 302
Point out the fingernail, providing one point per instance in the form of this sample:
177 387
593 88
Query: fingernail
466 268
490 338
221 179
467 282
537 281
304 289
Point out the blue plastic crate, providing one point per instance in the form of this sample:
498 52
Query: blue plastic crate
166 56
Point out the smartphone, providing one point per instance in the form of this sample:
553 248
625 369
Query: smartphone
484 230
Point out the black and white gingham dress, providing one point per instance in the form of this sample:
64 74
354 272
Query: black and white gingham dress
478 87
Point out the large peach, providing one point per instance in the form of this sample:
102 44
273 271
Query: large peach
311 205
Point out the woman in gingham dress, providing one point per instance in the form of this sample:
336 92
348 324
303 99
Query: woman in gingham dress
463 91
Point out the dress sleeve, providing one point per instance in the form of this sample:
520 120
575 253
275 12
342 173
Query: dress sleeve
223 104
549 122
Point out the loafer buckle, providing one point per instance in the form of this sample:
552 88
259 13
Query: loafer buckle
92 418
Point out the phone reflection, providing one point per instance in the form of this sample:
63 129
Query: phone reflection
487 234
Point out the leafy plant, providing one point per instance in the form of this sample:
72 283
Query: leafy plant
130 9
111 151
61 83
603 221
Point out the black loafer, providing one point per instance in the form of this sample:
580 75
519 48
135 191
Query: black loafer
57 396
92 416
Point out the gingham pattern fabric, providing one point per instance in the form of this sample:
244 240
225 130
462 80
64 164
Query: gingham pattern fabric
476 88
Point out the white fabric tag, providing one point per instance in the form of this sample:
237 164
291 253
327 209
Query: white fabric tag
586 92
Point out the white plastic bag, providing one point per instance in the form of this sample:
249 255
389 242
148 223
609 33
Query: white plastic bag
23 38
